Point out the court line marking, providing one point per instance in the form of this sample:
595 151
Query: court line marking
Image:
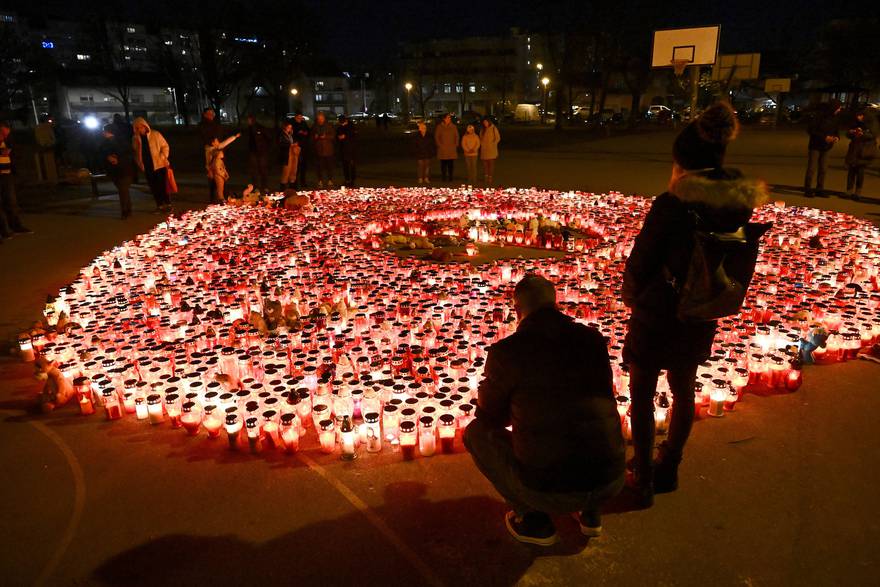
79 499
408 553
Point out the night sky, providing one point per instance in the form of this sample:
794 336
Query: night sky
365 33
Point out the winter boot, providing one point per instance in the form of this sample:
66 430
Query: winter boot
666 469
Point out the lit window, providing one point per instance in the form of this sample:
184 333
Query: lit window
472 88
86 99
183 51
130 29
447 88
319 85
48 45
168 42
319 97
7 18
459 88
83 56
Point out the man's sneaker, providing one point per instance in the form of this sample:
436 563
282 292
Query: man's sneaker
532 528
590 523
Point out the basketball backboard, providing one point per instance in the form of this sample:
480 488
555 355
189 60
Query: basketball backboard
739 66
697 46
778 84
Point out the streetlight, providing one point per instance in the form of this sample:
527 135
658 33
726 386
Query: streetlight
540 66
545 81
408 87
294 91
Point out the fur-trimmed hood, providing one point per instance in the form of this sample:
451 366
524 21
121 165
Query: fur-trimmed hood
720 189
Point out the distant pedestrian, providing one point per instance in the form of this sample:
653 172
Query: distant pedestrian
702 194
424 148
490 136
259 144
446 137
470 145
323 139
210 129
823 131
119 163
10 223
217 171
301 134
289 156
346 138
151 152
861 152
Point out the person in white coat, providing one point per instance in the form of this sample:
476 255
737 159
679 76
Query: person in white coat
490 136
151 152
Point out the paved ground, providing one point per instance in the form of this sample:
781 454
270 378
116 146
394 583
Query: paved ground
780 492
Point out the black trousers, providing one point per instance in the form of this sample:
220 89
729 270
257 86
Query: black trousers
643 385
157 180
259 168
817 162
123 186
9 219
301 165
492 451
325 168
446 166
855 178
349 169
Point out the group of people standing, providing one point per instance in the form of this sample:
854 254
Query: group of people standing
824 131
296 145
444 145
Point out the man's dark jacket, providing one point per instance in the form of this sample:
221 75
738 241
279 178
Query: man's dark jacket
258 140
210 130
823 125
424 147
552 381
301 132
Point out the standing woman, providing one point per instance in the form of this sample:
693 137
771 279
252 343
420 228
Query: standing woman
151 152
289 156
446 137
489 139
424 149
323 141
700 191
470 145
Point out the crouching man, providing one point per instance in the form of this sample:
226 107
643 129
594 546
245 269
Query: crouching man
551 381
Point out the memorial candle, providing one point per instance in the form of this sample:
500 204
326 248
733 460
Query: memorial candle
290 432
373 433
408 439
191 418
327 435
427 436
717 397
154 409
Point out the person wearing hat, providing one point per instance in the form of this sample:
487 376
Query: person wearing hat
345 138
723 199
824 134
551 381
119 162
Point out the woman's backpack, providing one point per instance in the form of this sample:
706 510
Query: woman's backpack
719 271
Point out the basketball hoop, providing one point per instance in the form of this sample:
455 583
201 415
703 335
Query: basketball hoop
679 64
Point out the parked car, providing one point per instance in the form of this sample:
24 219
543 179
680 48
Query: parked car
658 111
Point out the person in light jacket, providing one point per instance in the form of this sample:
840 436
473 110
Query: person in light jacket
489 139
446 137
470 145
217 167
151 152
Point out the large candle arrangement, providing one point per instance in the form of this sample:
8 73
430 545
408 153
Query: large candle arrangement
289 329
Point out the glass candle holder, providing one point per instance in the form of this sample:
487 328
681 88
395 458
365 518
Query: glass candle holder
320 411
446 431
233 427
82 386
211 420
661 414
155 410
140 408
112 409
408 438
347 438
390 422
191 417
172 408
372 432
289 432
252 429
717 397
327 435
427 436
